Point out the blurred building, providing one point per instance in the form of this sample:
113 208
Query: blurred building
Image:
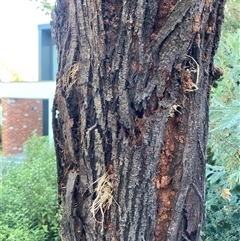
26 106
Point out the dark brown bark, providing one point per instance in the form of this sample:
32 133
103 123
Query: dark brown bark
131 105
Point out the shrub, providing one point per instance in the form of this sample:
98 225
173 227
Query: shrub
222 207
28 204
223 169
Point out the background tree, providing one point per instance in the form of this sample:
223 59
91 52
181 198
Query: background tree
131 116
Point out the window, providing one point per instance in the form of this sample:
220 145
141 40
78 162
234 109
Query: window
47 54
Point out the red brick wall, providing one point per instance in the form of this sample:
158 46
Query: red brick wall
20 118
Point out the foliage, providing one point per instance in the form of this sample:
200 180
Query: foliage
28 201
45 6
15 76
232 16
223 168
224 139
222 213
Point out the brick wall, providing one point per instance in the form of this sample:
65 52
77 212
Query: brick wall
20 118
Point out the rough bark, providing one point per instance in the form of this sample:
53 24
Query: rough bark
131 106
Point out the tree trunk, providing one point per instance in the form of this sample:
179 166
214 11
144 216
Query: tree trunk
130 116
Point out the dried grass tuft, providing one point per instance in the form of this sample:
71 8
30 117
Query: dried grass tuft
104 196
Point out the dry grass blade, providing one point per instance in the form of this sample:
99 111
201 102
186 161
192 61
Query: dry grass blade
104 196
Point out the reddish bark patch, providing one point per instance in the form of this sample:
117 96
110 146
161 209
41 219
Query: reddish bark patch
165 193
71 122
205 57
165 7
140 69
196 23
187 80
180 139
208 3
217 72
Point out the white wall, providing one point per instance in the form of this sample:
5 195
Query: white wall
19 20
